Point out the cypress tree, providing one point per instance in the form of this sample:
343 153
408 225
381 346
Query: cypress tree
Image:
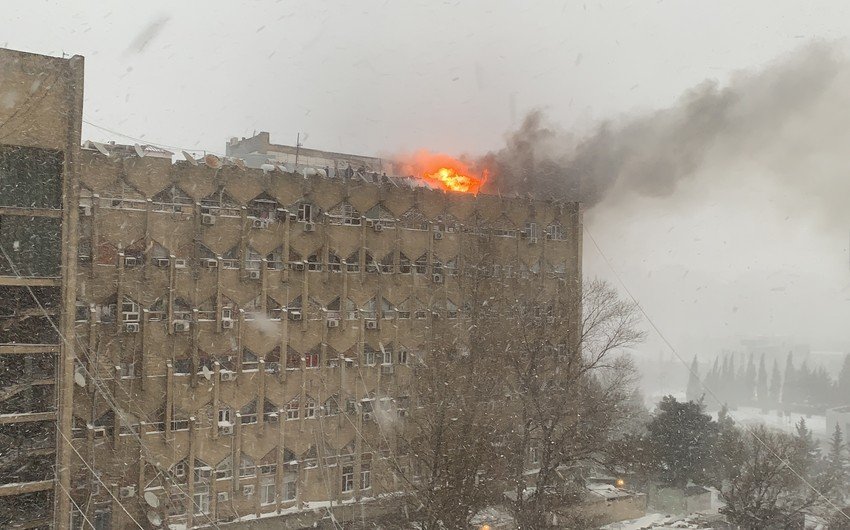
748 385
694 389
843 385
761 385
789 387
775 390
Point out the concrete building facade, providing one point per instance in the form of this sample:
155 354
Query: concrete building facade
239 338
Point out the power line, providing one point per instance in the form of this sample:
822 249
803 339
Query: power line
702 383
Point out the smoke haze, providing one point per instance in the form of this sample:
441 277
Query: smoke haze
787 122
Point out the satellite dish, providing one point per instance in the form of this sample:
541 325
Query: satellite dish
267 167
139 150
212 161
207 373
152 500
100 147
154 518
80 379
190 158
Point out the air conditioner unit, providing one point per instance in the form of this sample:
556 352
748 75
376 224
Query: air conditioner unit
298 267
223 496
226 430
130 261
333 323
387 369
532 240
371 324
260 223
438 235
309 227
100 432
180 264
210 263
85 210
378 227
254 275
127 491
438 278
367 416
227 375
295 315
226 323
248 490
181 326
161 262
131 327
207 219
293 217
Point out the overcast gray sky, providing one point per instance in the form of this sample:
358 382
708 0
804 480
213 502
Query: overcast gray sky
382 77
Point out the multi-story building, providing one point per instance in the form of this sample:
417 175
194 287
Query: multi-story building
41 102
238 337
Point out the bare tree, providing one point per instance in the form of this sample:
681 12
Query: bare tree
570 388
771 489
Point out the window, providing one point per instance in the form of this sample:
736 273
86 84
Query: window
224 416
310 409
402 356
250 361
556 232
314 264
352 263
290 487
403 264
128 369
347 478
224 470
533 455
365 475
311 360
421 264
334 263
369 356
293 409
267 494
305 213
331 407
247 468
387 355
180 469
293 360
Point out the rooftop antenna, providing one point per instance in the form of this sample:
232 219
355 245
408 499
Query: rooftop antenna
189 158
139 151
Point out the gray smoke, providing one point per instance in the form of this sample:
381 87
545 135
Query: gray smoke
788 122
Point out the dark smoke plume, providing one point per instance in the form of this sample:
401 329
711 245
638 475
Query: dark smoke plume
789 122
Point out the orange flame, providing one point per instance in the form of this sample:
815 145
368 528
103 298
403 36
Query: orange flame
443 172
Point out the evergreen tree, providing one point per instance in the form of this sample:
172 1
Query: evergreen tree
789 387
748 385
807 450
761 385
727 382
843 385
775 390
694 390
712 380
727 453
680 438
836 465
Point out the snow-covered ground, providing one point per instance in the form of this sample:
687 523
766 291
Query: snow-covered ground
749 416
651 521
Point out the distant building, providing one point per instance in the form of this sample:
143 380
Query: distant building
839 416
258 150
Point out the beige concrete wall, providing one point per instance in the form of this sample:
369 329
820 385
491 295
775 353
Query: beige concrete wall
117 226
